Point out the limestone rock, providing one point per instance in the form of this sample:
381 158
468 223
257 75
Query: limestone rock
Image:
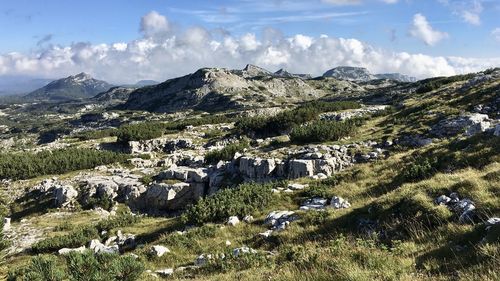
66 251
339 203
159 250
233 220
64 196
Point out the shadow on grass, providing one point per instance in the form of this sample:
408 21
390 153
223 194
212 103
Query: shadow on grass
31 203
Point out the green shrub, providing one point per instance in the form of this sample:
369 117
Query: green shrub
40 268
140 131
103 201
27 165
226 153
321 131
421 168
286 120
227 261
88 266
120 220
76 238
80 267
96 134
240 201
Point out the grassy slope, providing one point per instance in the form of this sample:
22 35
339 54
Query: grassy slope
423 241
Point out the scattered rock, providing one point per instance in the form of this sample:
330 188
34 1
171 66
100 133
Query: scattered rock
66 251
64 196
159 250
339 203
243 250
314 204
165 272
233 220
6 224
248 219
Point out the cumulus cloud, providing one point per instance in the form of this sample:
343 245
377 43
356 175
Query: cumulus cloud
422 30
153 24
160 56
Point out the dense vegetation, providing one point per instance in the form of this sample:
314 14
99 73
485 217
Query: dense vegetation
240 201
80 267
140 131
322 131
27 165
285 120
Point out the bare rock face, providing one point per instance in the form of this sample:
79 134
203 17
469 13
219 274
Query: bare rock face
64 196
159 145
164 197
469 125
299 168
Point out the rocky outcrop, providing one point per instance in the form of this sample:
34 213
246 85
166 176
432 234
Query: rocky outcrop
121 187
158 145
354 113
64 196
469 125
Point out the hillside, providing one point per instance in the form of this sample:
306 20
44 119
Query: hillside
252 175
78 86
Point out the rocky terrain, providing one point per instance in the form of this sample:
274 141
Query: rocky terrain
249 174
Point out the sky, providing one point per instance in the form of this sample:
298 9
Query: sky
126 41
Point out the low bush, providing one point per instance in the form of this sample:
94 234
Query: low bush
76 238
97 134
27 165
80 267
421 168
226 153
321 131
240 201
140 131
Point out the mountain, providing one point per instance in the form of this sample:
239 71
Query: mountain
13 85
73 87
362 74
397 77
143 83
212 89
113 96
283 73
251 70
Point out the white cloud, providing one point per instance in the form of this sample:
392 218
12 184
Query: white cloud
469 10
162 56
422 30
496 34
390 1
153 24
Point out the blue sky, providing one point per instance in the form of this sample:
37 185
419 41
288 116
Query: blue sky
436 28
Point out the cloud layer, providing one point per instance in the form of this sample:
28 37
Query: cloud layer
163 52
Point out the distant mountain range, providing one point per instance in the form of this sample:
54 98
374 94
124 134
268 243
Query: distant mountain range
208 87
78 86
14 85
362 74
